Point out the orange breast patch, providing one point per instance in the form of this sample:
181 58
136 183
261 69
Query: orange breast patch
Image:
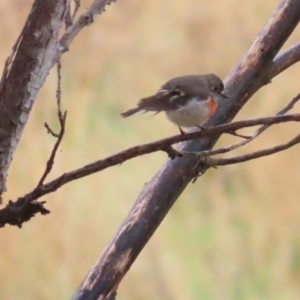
212 106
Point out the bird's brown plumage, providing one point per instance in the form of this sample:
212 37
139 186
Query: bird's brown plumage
175 94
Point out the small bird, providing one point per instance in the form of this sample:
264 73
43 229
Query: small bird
187 100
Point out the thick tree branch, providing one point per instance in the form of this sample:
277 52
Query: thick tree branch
26 69
285 59
25 73
16 213
160 193
31 51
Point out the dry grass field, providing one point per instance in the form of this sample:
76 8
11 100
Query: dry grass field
234 234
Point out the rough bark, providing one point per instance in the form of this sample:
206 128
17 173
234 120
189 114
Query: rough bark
23 77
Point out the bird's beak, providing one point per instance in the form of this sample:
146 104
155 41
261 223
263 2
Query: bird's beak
224 95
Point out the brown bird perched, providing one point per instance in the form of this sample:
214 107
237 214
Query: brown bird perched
187 100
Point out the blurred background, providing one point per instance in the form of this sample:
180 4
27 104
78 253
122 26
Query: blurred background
234 234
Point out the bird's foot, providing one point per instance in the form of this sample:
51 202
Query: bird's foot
181 131
201 127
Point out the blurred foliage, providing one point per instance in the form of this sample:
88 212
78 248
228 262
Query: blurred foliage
234 234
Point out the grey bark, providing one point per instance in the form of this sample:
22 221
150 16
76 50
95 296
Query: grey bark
23 77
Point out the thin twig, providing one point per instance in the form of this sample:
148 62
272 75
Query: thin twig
77 5
62 121
206 155
50 131
253 155
26 207
172 153
58 91
68 18
245 141
234 133
161 145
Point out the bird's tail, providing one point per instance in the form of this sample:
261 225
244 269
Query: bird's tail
130 112
152 103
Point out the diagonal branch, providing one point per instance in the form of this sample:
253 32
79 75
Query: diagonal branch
77 5
6 214
206 162
243 142
62 122
87 18
253 155
160 193
161 145
285 59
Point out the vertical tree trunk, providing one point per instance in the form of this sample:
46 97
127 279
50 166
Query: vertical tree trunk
23 77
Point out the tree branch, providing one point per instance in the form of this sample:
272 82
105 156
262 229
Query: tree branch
16 213
253 155
285 59
25 73
160 193
25 70
62 122
77 5
87 18
243 142
160 145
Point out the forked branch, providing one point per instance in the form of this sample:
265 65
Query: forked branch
161 145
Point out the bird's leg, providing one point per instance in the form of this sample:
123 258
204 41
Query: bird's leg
181 131
201 127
